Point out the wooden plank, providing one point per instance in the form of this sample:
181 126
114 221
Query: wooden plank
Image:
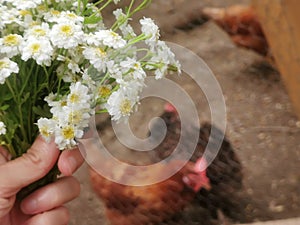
293 221
280 20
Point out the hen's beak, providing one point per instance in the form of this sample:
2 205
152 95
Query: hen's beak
207 186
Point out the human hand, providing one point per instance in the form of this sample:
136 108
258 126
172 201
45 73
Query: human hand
45 205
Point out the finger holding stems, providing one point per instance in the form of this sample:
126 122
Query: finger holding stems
45 205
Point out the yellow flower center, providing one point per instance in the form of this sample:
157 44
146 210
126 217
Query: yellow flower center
11 18
66 30
55 12
101 52
3 64
34 23
114 34
35 47
45 132
72 15
24 12
11 40
68 132
41 8
104 91
125 107
39 32
63 103
75 117
74 98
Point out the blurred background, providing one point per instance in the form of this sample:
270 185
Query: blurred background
263 129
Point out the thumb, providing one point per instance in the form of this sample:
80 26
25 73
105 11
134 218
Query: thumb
4 155
31 166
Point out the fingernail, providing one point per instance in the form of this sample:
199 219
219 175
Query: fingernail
29 206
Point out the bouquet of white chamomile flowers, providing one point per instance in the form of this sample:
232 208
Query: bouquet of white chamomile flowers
60 64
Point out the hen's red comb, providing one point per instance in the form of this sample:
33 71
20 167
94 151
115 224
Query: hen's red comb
170 108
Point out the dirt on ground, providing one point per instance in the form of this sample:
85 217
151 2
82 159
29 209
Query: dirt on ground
261 123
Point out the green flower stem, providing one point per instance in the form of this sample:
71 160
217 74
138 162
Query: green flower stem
140 7
46 4
101 111
27 78
98 2
102 7
19 107
22 123
11 90
104 78
130 13
139 38
105 5
130 7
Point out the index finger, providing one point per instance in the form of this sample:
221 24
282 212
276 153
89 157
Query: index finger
4 155
69 161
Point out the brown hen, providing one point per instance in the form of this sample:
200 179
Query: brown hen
191 196
242 24
152 204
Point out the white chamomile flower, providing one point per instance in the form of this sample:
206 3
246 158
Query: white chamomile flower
24 19
50 99
38 49
120 106
75 54
58 108
66 35
97 57
115 70
91 39
7 67
46 128
132 88
163 57
9 44
90 66
66 74
69 16
56 103
110 39
164 52
88 80
52 15
2 128
125 28
78 117
151 30
65 136
73 66
133 68
160 70
104 91
7 16
41 30
79 96
25 4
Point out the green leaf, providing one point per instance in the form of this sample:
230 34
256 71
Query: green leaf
4 107
7 97
25 98
42 111
93 19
